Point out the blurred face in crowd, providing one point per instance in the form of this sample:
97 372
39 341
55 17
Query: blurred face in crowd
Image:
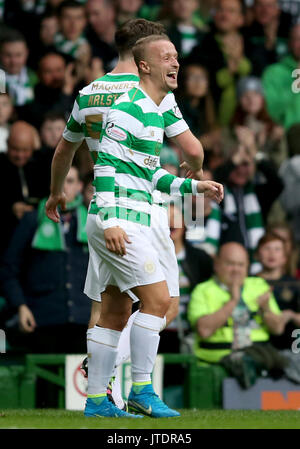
183 9
20 143
6 108
49 27
52 71
196 82
13 57
100 15
72 185
72 22
176 224
272 255
252 102
242 174
51 132
228 16
231 265
129 6
295 42
266 11
284 234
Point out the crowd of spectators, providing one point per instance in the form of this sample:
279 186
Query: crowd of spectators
238 91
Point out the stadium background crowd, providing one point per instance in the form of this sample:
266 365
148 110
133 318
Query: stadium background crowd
240 95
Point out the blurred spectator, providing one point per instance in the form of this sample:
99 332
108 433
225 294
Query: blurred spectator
182 30
252 113
271 253
20 79
43 274
195 100
48 28
194 266
24 16
285 232
52 129
222 53
250 190
6 113
266 39
54 92
281 91
72 22
21 178
233 315
293 139
101 31
127 10
290 200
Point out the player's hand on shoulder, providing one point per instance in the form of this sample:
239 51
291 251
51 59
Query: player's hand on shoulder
212 190
51 206
115 238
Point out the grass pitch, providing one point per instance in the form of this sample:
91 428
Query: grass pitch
190 419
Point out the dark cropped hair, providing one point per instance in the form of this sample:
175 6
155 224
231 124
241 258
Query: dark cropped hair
133 30
68 4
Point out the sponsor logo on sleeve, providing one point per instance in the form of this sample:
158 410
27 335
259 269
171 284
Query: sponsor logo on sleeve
115 132
177 111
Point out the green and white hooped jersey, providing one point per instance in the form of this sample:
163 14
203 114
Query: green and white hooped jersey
88 117
92 105
128 165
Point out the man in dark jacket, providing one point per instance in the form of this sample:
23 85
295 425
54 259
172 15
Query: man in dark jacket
54 92
43 274
266 39
21 178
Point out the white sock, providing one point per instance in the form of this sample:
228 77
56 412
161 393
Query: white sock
102 346
116 391
144 340
124 342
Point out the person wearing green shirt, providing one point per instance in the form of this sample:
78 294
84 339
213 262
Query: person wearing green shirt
281 84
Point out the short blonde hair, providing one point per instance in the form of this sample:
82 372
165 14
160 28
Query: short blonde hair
139 49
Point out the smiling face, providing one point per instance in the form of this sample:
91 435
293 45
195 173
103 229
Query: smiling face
160 62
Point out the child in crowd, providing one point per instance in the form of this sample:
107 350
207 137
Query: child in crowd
272 255
284 231
52 129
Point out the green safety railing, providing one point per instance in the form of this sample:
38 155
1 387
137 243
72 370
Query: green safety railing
202 386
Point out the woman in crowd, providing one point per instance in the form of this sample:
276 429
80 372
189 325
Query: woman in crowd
251 112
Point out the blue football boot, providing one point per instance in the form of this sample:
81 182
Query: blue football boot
143 399
105 409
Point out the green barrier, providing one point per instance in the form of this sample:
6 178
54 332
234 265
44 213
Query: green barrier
201 387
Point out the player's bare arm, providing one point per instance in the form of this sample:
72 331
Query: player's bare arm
192 149
61 163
